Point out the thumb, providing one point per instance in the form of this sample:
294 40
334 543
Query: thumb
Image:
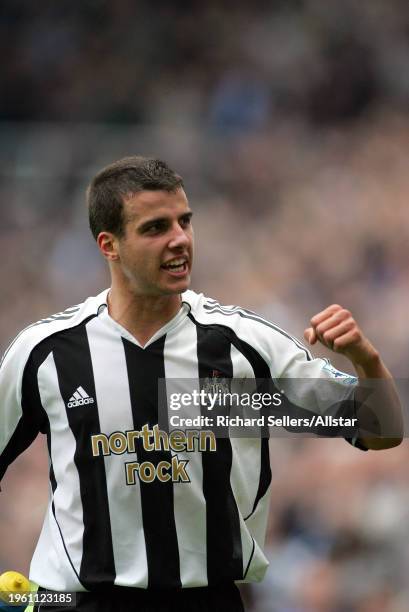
310 335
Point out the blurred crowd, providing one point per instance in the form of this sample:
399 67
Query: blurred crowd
229 66
289 122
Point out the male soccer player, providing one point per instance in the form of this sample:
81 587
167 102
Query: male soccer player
138 519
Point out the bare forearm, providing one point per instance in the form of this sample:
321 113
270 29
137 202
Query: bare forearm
380 412
381 406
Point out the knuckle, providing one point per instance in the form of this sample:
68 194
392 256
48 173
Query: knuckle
337 344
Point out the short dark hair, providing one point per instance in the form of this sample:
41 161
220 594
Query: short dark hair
122 179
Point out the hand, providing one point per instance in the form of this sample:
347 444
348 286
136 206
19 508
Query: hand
336 329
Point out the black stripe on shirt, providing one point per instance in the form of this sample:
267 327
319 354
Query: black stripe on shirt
145 368
59 316
35 418
247 314
24 434
74 369
224 549
261 372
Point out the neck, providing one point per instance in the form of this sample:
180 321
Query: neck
142 315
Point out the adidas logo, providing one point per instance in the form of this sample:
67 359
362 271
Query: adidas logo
80 398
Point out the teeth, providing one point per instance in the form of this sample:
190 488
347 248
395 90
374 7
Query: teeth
176 263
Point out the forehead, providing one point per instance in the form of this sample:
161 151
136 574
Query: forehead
153 204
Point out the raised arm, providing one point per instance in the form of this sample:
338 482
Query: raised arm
336 329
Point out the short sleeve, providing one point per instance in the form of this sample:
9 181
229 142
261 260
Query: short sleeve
20 423
314 386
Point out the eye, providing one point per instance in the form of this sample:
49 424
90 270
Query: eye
186 220
154 228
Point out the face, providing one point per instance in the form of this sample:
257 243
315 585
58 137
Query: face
154 256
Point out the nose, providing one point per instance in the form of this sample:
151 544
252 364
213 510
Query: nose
179 238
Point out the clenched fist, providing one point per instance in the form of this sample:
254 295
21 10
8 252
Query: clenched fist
336 328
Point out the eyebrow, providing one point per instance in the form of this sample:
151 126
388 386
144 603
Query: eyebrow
158 220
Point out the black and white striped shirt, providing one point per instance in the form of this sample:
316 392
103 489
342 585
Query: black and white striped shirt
79 374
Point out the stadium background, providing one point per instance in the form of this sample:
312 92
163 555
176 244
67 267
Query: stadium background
289 121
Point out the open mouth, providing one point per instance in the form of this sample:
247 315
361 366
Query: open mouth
176 266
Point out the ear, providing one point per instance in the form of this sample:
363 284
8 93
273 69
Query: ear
108 245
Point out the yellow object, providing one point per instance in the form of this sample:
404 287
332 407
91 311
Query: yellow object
13 582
